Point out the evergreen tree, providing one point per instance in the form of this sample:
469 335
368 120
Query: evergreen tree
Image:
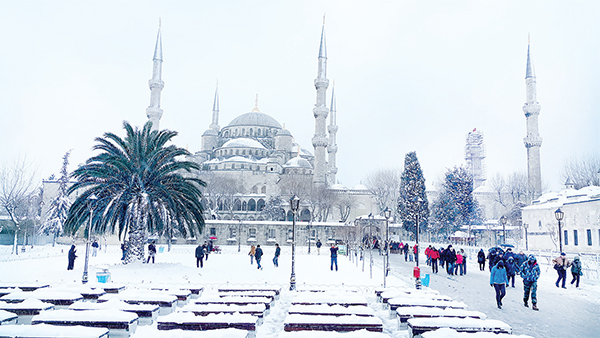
273 210
412 203
59 206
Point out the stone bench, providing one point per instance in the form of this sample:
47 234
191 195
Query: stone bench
193 289
389 294
85 291
7 317
62 298
406 313
189 321
27 287
297 322
395 303
418 326
141 310
26 309
334 310
330 298
250 289
441 298
109 319
6 291
332 334
233 300
153 332
45 331
267 294
257 310
165 301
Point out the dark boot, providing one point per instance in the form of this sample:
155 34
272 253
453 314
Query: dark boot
535 307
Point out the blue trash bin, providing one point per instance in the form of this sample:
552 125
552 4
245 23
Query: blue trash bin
425 281
103 276
161 249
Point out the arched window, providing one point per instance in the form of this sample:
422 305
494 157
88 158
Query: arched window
243 131
226 134
281 215
258 132
220 203
237 204
250 131
263 190
243 152
237 152
305 215
260 205
244 206
290 216
255 189
251 205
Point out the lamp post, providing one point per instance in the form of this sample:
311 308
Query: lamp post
294 204
386 267
370 246
525 225
309 237
238 235
503 221
559 217
84 279
417 279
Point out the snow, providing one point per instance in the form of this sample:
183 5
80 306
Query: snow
45 330
459 322
43 294
332 310
449 333
5 316
189 317
141 296
114 304
577 308
353 319
418 311
30 303
86 316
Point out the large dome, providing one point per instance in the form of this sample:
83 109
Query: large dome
243 143
298 162
255 119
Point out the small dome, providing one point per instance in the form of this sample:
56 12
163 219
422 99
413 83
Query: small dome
360 187
338 187
283 132
255 118
210 132
243 143
298 162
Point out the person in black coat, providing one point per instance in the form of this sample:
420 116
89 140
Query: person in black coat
151 252
72 257
481 260
199 255
258 255
511 270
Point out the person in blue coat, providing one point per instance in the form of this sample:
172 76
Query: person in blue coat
530 272
258 255
277 254
499 281
511 270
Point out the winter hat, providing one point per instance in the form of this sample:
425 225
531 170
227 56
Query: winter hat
576 258
510 259
563 254
501 264
531 258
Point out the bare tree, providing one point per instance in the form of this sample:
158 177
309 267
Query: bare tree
321 200
518 188
17 184
583 171
384 184
344 204
499 187
221 193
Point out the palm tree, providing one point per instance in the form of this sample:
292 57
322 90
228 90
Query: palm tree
140 187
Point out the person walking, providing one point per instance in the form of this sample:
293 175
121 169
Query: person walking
277 253
334 250
481 260
576 271
459 264
71 256
530 272
405 248
464 261
252 253
428 255
319 244
450 259
205 248
258 255
124 250
199 256
561 263
499 281
151 252
435 255
95 248
511 270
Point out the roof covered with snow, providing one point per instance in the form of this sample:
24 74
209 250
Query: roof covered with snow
255 119
243 142
298 162
567 196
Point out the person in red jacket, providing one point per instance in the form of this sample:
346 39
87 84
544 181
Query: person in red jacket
428 255
435 255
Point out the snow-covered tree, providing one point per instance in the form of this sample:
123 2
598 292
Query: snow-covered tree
273 210
384 184
413 206
59 206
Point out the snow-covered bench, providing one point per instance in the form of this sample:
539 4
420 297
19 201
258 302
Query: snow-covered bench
417 326
142 310
192 288
250 288
400 290
296 322
24 286
7 317
152 332
265 293
449 333
334 310
395 303
407 312
189 321
6 291
163 299
385 296
55 297
111 287
26 309
333 334
45 331
86 291
257 310
329 298
206 300
110 319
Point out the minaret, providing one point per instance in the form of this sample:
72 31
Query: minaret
320 112
215 116
332 147
153 111
533 141
474 156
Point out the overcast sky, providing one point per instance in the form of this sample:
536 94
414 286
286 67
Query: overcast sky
409 76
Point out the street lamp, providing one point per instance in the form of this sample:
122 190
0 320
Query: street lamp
503 221
386 267
84 279
238 234
294 204
309 237
559 217
418 279
370 246
525 225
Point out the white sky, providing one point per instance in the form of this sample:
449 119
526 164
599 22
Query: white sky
410 76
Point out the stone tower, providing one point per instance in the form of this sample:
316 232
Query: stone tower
153 111
332 147
532 141
474 156
320 112
215 115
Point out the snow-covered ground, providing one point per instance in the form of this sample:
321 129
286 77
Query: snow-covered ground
564 313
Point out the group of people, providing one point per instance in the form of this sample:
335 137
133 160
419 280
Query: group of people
202 251
256 253
448 258
505 267
561 265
